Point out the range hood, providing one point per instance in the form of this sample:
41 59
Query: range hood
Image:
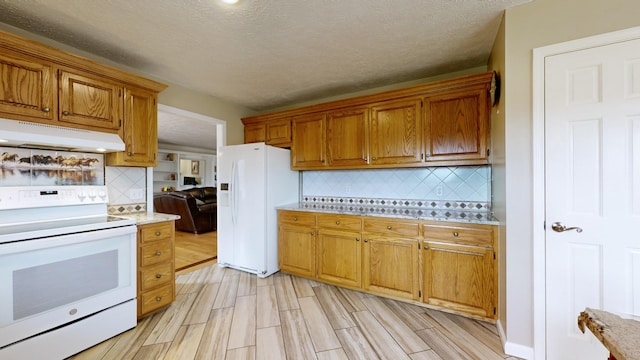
44 136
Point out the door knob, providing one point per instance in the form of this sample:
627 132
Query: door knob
558 227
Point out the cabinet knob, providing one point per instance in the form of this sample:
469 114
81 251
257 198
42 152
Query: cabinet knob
389 227
455 234
295 218
158 253
129 153
158 233
46 109
366 240
337 222
65 113
357 239
313 233
374 158
158 298
158 276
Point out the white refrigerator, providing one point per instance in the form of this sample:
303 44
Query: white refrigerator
253 179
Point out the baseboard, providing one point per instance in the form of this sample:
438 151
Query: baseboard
512 349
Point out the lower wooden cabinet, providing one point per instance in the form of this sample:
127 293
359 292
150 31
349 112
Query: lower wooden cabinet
156 266
445 265
339 250
297 243
460 268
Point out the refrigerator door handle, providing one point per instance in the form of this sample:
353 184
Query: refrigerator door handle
233 192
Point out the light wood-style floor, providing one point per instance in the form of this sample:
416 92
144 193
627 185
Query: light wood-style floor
195 249
222 313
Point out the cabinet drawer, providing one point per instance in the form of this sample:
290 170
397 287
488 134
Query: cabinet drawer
391 227
156 252
156 299
155 232
480 236
339 222
156 275
297 218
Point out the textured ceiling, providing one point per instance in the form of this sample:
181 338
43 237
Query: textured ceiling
265 54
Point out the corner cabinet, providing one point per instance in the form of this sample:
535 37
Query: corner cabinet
156 266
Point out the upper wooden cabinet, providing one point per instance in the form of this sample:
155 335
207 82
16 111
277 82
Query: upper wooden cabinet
275 133
457 127
41 84
26 87
308 141
347 141
139 130
396 132
90 101
443 123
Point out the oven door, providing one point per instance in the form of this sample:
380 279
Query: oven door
52 281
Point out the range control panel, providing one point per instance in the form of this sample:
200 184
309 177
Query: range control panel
21 197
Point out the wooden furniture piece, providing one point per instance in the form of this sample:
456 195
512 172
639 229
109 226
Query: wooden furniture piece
444 123
460 270
156 266
620 336
457 270
45 85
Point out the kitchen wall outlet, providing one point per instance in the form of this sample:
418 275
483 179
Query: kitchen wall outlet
136 194
439 191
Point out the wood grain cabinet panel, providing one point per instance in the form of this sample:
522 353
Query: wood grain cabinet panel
278 133
396 132
139 130
308 142
348 137
90 101
255 133
297 243
339 249
156 266
457 127
26 87
460 270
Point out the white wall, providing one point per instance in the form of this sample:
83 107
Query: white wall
536 24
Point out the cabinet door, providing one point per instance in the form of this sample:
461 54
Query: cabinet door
460 277
254 133
391 266
308 142
457 127
139 131
396 132
26 87
296 250
338 257
347 137
89 101
278 132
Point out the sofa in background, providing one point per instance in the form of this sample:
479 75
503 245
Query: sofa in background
197 208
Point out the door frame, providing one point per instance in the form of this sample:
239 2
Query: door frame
538 156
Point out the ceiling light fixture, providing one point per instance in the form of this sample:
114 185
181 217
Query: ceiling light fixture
230 1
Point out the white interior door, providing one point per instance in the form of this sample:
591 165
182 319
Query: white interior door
592 167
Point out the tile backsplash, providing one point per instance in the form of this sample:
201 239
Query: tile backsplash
461 183
123 183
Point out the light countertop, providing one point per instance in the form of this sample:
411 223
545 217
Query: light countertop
398 213
149 218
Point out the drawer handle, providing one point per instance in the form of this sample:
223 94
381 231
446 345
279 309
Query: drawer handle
65 112
158 233
158 253
357 239
389 227
46 109
366 240
455 234
158 276
295 218
158 298
337 222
